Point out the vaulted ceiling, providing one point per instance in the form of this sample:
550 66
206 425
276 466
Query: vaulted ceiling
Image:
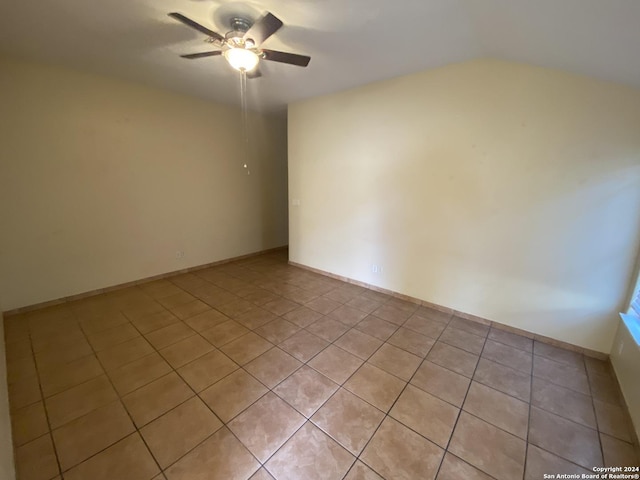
351 42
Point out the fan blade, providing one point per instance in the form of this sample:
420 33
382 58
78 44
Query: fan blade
263 28
284 57
197 26
255 73
192 56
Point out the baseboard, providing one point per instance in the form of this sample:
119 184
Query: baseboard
141 281
7 463
457 313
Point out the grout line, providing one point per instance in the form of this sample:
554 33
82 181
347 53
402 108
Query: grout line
526 451
122 404
46 413
461 409
393 404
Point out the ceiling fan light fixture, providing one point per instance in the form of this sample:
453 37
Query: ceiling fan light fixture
241 59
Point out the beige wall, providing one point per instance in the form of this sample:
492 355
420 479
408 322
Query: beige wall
498 189
102 182
7 470
625 357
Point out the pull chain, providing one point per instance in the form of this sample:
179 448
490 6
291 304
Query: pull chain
244 118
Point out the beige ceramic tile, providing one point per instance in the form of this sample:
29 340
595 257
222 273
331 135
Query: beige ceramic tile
563 401
23 393
123 353
185 351
190 309
261 474
112 336
168 335
376 327
156 398
350 316
412 342
317 457
246 348
206 320
220 457
335 363
306 390
441 382
453 468
605 388
396 361
56 357
499 409
558 354
277 331
511 339
28 423
359 471
56 380
280 306
128 459
54 339
359 344
272 367
231 395
36 460
236 307
328 329
618 453
207 370
18 348
348 420
613 420
364 304
79 400
598 367
302 316
303 345
256 318
428 415
85 436
461 339
322 305
469 326
561 374
225 332
176 432
21 368
155 321
569 440
138 373
397 452
509 356
499 453
540 462
504 379
266 425
392 314
375 386
427 327
453 358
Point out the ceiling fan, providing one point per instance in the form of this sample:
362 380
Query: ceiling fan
241 46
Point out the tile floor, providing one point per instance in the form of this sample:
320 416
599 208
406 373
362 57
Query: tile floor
256 369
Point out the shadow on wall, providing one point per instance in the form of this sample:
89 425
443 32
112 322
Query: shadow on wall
460 237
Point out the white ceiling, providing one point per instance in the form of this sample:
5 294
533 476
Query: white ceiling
351 42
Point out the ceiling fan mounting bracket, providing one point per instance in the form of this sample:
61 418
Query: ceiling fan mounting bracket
240 24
